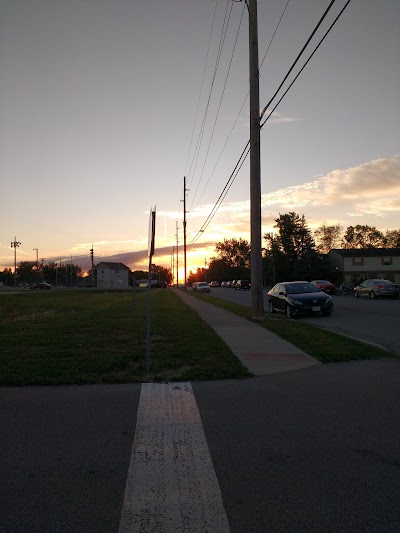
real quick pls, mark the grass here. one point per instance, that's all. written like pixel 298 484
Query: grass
pixel 324 345
pixel 76 337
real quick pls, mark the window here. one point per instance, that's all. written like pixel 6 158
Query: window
pixel 358 261
pixel 386 260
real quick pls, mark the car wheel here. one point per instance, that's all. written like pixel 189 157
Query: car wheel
pixel 288 311
pixel 356 295
pixel 372 295
pixel 271 308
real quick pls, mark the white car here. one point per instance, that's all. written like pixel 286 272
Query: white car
pixel 202 286
pixel 214 284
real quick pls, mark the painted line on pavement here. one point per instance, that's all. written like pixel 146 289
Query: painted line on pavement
pixel 171 484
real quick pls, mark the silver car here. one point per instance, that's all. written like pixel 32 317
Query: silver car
pixel 375 288
pixel 202 286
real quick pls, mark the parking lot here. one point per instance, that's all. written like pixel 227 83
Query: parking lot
pixel 374 321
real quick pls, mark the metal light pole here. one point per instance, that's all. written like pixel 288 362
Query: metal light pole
pixel 257 299
pixel 15 244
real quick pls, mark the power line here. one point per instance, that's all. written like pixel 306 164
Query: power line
pixel 241 158
pixel 240 110
pixel 298 57
pixel 201 133
pixel 217 114
pixel 305 64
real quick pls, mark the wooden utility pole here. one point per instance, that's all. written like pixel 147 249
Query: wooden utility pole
pixel 184 227
pixel 257 297
pixel 177 256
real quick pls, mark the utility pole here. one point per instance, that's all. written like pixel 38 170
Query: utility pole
pixel 42 259
pixel 177 256
pixel 257 297
pixel 205 269
pixel 173 264
pixel 184 226
pixel 15 244
pixel 92 273
pixel 37 264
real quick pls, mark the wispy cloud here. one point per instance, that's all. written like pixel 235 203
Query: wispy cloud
pixel 372 189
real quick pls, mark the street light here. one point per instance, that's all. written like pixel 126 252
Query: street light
pixel 15 245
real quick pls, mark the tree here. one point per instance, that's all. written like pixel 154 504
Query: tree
pixel 328 237
pixel 363 237
pixel 236 253
pixel 6 277
pixel 392 238
pixel 292 253
pixel 162 274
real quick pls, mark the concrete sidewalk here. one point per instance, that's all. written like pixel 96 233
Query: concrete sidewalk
pixel 260 350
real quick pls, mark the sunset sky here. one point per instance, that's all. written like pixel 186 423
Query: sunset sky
pixel 106 106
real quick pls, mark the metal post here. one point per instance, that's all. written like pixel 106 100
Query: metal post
pixel 257 300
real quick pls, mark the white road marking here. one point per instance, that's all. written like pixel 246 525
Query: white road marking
pixel 171 484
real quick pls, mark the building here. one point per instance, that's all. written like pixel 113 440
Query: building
pixel 356 264
pixel 112 276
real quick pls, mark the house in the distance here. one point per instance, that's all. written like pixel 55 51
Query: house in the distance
pixel 112 276
pixel 356 264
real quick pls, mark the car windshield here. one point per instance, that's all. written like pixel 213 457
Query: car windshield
pixel 324 282
pixel 202 284
pixel 299 288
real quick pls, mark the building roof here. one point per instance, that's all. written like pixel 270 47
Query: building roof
pixel 113 266
pixel 367 252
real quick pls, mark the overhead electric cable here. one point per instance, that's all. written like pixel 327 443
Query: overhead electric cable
pixel 241 158
pixel 240 110
pixel 200 137
pixel 201 87
pixel 298 57
pixel 217 113
pixel 305 64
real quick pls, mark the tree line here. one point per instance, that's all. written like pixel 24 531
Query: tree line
pixel 68 275
pixel 293 251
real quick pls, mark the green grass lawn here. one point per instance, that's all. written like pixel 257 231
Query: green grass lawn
pixel 324 345
pixel 73 337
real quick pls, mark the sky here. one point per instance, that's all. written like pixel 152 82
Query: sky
pixel 106 106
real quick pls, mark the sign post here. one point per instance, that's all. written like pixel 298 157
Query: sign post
pixel 152 230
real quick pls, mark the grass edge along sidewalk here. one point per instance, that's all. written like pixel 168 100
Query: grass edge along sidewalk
pixel 324 345
pixel 62 338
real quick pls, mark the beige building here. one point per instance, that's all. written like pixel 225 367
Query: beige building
pixel 357 264
pixel 112 276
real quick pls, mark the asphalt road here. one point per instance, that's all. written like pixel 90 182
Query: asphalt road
pixel 310 450
pixel 374 321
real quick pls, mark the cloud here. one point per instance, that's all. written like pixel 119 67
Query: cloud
pixel 371 188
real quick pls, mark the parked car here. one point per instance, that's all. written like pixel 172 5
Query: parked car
pixel 194 285
pixel 324 285
pixel 232 283
pixel 42 285
pixel 158 284
pixel 225 284
pixel 299 297
pixel 242 285
pixel 202 286
pixel 215 284
pixel 375 288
